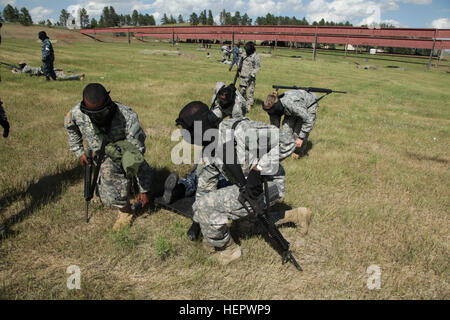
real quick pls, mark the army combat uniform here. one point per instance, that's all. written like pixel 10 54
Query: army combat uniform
pixel 239 111
pixel 214 207
pixel 299 113
pixel 247 78
pixel 33 71
pixel 114 188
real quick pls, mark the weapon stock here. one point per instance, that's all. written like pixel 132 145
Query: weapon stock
pixel 12 66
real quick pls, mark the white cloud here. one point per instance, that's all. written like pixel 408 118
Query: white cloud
pixel 5 2
pixel 442 23
pixel 40 13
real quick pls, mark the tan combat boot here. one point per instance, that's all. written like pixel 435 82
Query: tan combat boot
pixel 300 216
pixel 228 253
pixel 124 219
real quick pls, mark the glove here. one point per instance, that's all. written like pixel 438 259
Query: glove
pixel 254 184
pixel 5 125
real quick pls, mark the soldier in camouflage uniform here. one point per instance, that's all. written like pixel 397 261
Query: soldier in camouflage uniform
pixel 226 101
pixel 249 65
pixel 299 109
pixel 98 120
pixel 48 56
pixel 213 208
pixel 33 71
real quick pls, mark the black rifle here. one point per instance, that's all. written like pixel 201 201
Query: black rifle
pixel 309 89
pixel 91 184
pixel 10 65
pixel 260 211
pixel 238 70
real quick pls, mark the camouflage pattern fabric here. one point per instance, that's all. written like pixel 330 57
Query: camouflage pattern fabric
pixel 298 119
pixel 247 78
pixel 214 207
pixel 48 57
pixel 125 125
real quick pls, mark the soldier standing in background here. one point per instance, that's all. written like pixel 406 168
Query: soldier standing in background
pixel 4 121
pixel 48 56
pixel 249 64
pixel 113 129
pixel 299 109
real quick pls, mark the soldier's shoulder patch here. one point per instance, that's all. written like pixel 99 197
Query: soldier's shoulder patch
pixel 69 117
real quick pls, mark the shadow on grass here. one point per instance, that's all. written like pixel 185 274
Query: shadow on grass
pixel 46 190
pixel 427 158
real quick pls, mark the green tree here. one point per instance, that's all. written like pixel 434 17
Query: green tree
pixel 84 17
pixel 24 17
pixel 49 23
pixel 164 19
pixel 10 13
pixel 193 19
pixel 134 18
pixel 63 17
pixel 94 23
pixel 210 20
pixel 202 17
pixel 180 19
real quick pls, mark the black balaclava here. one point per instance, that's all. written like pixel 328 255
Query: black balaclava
pixel 42 35
pixel 249 48
pixel 102 115
pixel 227 102
pixel 196 111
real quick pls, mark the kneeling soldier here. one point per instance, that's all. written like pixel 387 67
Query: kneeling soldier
pixel 213 207
pixel 113 130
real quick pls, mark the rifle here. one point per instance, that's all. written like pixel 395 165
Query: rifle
pixel 12 66
pixel 309 89
pixel 238 70
pixel 261 212
pixel 91 184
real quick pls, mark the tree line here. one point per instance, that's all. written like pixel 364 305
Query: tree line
pixel 12 14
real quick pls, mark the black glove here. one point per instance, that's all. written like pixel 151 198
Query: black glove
pixel 5 125
pixel 254 184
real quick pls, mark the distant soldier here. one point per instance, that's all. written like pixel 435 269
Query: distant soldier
pixel 299 109
pixel 236 54
pixel 4 121
pixel 113 129
pixel 249 64
pixel 226 50
pixel 48 56
pixel 213 207
pixel 33 71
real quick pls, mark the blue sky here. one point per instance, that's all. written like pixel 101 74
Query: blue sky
pixel 401 13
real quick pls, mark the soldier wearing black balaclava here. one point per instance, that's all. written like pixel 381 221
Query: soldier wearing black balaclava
pixel 48 56
pixel 110 126
pixel 249 64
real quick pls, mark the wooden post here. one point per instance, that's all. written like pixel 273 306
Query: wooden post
pixel 431 55
pixel 173 39
pixel 315 47
pixel 129 38
pixel 346 45
pixel 232 38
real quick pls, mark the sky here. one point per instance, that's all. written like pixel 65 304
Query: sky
pixel 400 13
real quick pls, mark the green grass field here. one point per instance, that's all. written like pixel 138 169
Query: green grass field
pixel 377 179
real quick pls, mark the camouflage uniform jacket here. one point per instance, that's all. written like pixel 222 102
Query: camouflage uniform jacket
pixel 48 56
pixel 295 103
pixel 125 125
pixel 31 70
pixel 247 154
pixel 250 65
pixel 240 107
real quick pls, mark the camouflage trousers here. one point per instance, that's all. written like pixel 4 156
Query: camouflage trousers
pixel 247 89
pixel 114 188
pixel 215 208
pixel 294 126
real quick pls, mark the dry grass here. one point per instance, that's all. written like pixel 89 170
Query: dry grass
pixel 377 179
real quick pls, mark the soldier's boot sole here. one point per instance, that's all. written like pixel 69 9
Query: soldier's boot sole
pixel 169 186
pixel 194 231
pixel 124 220
pixel 300 216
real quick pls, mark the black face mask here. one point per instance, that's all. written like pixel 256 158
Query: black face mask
pixel 276 109
pixel 101 116
pixel 208 121
pixel 226 98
